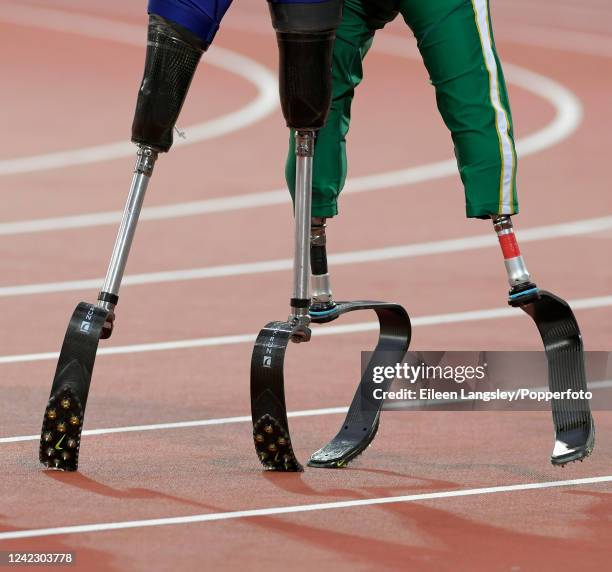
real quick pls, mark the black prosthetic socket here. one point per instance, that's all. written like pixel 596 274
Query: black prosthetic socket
pixel 173 54
pixel 306 18
pixel 305 35
pixel 305 81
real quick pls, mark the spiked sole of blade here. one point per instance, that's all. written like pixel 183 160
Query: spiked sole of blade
pixel 579 457
pixel 578 452
pixel 61 431
pixel 273 445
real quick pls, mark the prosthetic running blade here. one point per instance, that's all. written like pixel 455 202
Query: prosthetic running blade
pixel 172 56
pixel 269 412
pixel 64 415
pixel 573 422
pixel 305 37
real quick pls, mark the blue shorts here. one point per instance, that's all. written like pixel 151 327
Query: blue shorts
pixel 202 17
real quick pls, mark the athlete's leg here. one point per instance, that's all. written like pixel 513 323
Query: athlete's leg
pixel 305 34
pixel 353 39
pixel 179 33
pixel 455 39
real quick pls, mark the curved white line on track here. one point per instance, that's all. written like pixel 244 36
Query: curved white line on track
pixel 587 43
pixel 263 105
pixel 434 320
pixel 568 115
pixel 548 232
pixel 275 511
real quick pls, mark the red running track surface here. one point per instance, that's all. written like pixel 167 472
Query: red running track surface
pixel 67 90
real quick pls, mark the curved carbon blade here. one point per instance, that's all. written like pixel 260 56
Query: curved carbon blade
pixel 268 408
pixel 63 421
pixel 361 423
pixel 574 427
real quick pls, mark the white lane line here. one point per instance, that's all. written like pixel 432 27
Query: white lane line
pixel 568 115
pixel 434 320
pixel 275 511
pixel 184 424
pixel 576 228
pixel 263 105
pixel 604 384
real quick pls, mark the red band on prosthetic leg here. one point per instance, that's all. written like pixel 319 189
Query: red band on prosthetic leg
pixel 509 245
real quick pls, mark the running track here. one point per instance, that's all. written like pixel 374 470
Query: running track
pixel 168 476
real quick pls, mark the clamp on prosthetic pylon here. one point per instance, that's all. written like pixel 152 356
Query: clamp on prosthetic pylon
pixel 323 307
pixel 305 87
pixel 572 419
pixel 172 57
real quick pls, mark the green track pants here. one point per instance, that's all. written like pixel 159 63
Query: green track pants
pixel 455 39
